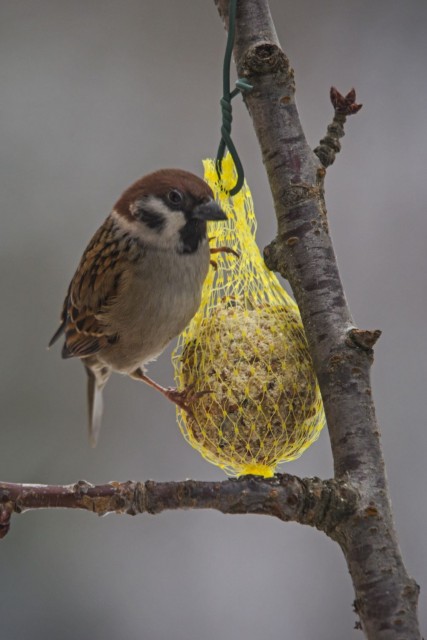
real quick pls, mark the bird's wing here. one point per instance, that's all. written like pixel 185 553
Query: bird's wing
pixel 99 279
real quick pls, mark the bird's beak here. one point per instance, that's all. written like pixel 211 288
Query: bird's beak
pixel 209 211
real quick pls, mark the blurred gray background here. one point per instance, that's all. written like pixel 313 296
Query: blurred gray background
pixel 93 95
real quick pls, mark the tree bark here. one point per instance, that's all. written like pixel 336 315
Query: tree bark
pixel 319 503
pixel 386 597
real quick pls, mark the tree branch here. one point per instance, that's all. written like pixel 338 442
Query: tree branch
pixel 386 598
pixel 324 504
pixel 343 106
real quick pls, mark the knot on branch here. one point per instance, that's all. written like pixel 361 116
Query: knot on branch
pixel 5 515
pixel 265 58
pixel 363 338
pixel 328 503
pixel 274 259
pixel 136 498
pixel 81 488
pixel 270 255
pixel 299 193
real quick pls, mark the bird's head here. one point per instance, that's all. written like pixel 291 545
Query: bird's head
pixel 168 209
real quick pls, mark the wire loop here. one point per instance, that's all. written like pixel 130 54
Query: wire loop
pixel 226 108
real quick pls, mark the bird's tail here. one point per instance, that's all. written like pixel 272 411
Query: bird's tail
pixel 96 381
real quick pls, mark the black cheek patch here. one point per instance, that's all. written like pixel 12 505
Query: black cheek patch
pixel 152 219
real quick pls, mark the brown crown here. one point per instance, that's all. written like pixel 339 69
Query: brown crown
pixel 159 183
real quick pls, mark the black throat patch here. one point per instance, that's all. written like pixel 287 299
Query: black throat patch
pixel 191 235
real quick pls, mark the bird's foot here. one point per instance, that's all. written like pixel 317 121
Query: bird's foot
pixel 213 250
pixel 182 399
pixel 224 250
pixel 185 398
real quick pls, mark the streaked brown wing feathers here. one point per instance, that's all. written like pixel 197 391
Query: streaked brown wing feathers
pixel 85 334
pixel 93 289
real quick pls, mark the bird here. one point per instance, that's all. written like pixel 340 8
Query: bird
pixel 139 283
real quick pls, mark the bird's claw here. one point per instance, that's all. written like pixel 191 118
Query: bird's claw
pixel 185 398
pixel 224 250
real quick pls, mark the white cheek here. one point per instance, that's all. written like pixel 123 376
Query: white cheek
pixel 168 236
pixel 174 223
pixel 175 220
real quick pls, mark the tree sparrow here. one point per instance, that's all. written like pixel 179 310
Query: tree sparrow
pixel 139 282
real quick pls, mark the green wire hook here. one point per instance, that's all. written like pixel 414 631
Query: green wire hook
pixel 226 108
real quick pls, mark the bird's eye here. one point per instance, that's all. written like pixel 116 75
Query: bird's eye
pixel 175 197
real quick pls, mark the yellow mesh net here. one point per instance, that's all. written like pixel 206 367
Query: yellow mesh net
pixel 247 346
